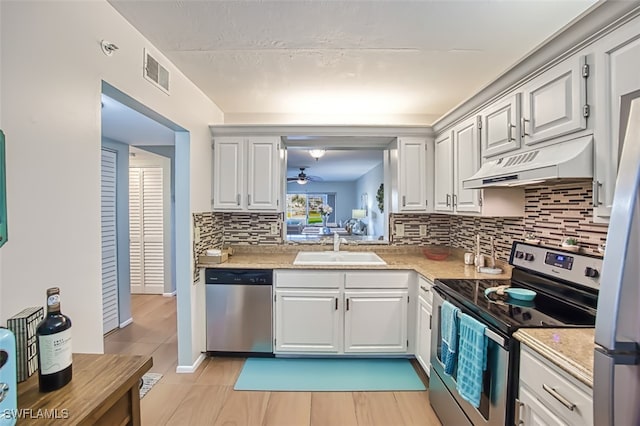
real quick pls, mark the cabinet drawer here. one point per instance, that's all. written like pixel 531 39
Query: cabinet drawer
pixel 309 279
pixel 424 290
pixel 377 279
pixel 544 380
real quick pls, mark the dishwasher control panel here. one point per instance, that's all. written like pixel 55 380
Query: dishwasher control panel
pixel 238 276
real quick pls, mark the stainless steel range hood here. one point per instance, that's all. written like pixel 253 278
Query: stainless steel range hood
pixel 567 160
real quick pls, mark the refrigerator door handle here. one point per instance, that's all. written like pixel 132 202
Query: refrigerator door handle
pixel 603 372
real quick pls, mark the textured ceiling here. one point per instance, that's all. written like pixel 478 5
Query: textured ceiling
pixel 378 62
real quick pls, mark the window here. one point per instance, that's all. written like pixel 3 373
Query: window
pixel 305 207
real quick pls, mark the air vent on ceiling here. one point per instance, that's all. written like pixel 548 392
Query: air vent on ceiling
pixel 518 159
pixel 156 73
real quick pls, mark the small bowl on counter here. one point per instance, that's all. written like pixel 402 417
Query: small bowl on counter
pixel 436 253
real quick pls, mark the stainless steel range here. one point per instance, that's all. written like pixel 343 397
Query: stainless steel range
pixel 566 286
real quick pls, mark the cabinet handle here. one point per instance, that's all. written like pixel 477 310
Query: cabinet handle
pixel 404 200
pixel 523 127
pixel 238 199
pixel 595 196
pixel 430 318
pixel 347 304
pixel 424 288
pixel 455 200
pixel 510 128
pixel 448 200
pixel 248 199
pixel 336 303
pixel 561 399
pixel 518 419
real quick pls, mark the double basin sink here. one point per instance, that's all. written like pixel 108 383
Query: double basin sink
pixel 352 258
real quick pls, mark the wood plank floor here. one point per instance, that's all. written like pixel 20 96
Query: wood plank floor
pixel 206 397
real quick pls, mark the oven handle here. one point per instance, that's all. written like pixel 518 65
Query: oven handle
pixel 488 332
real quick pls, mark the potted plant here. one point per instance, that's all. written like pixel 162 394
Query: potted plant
pixel 530 238
pixel 571 244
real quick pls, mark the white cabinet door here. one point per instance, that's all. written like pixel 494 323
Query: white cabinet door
pixel 554 101
pixel 617 69
pixel 412 181
pixel 228 166
pixel 534 413
pixel 263 173
pixel 375 321
pixel 466 155
pixel 443 173
pixel 501 126
pixel 423 342
pixel 308 321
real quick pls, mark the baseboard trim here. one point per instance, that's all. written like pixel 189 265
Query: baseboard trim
pixel 182 369
pixel 126 323
pixel 173 293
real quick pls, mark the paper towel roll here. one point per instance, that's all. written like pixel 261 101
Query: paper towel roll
pixel 214 252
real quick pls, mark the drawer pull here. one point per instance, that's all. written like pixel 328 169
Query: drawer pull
pixel 564 401
pixel 424 288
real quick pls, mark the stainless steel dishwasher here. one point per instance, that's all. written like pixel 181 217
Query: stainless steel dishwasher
pixel 239 305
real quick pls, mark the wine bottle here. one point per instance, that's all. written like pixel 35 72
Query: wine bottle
pixel 54 345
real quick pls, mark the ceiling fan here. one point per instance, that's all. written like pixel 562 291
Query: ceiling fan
pixel 303 178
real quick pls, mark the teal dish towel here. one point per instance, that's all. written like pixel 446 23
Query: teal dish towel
pixel 449 333
pixel 472 359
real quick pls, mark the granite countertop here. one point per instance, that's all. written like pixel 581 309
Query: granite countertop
pixel 571 349
pixel 452 267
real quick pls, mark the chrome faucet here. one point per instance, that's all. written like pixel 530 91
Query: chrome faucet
pixel 336 242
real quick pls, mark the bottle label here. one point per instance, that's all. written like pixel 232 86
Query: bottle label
pixel 55 352
pixel 54 299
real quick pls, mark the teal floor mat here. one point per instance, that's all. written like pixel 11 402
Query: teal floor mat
pixel 328 374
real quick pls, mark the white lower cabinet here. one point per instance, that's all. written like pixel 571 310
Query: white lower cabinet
pixel 308 320
pixel 349 317
pixel 375 321
pixel 423 326
pixel 548 395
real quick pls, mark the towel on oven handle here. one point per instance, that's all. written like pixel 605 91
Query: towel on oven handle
pixel 449 331
pixel 472 359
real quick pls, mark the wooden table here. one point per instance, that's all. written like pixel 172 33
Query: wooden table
pixel 104 391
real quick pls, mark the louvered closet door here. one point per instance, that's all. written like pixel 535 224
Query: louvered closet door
pixel 109 243
pixel 146 230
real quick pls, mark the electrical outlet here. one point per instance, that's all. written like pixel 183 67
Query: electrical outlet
pixel 423 230
pixel 274 229
pixel 196 234
pixel 399 230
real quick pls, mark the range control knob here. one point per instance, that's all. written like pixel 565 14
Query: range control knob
pixel 526 316
pixel 519 255
pixel 591 272
pixel 528 257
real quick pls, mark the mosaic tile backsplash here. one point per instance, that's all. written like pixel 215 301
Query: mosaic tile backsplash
pixel 551 213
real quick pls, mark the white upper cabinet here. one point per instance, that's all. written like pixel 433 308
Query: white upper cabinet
pixel 443 173
pixel 466 162
pixel 255 158
pixel 500 123
pixel 412 174
pixel 554 101
pixel 617 73
pixel 457 157
pixel 263 173
pixel 228 168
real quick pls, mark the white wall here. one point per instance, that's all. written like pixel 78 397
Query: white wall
pixel 52 68
pixel 369 184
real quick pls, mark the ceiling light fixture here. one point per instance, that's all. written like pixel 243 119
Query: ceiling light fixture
pixel 317 153
pixel 302 180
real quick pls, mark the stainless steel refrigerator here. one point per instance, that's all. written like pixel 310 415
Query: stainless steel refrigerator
pixel 616 387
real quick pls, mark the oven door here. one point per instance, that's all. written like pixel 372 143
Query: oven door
pixel 445 399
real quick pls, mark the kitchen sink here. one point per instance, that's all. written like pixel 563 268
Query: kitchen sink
pixel 338 258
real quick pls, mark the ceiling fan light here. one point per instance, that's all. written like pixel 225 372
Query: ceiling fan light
pixel 316 153
pixel 302 181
